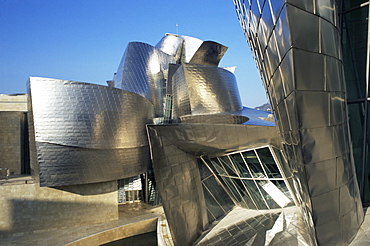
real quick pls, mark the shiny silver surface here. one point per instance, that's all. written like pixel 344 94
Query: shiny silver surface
pixel 192 50
pixel 174 151
pixel 297 50
pixel 143 70
pixel 209 53
pixel 256 227
pixel 200 89
pixel 190 47
pixel 87 133
pixel 171 44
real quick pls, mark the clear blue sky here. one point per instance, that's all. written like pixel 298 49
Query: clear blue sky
pixel 84 40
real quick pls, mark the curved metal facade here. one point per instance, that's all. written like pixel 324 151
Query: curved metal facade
pixel 200 89
pixel 143 70
pixel 296 47
pixel 204 166
pixel 87 133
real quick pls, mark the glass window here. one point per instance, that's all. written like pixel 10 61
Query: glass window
pixel 238 161
pixel 285 166
pixel 228 166
pixel 216 164
pixel 210 165
pixel 249 179
pixel 220 196
pixel 268 163
pixel 253 164
pixel 255 194
pixel 203 169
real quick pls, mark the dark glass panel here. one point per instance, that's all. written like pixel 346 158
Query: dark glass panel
pixel 285 166
pixel 354 43
pixel 256 195
pixel 212 205
pixel 218 167
pixel 356 115
pixel 224 201
pixel 210 165
pixel 239 163
pixel 210 216
pixel 268 163
pixel 228 166
pixel 231 189
pixel 248 199
pixel 253 164
pixel 203 169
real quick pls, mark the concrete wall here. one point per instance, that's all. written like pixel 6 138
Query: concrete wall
pixel 28 207
pixel 11 153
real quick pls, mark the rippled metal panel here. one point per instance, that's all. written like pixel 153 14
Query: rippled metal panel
pixel 209 53
pixel 143 70
pixel 201 89
pixel 296 47
pixel 86 133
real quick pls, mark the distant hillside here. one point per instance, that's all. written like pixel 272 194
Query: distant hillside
pixel 264 107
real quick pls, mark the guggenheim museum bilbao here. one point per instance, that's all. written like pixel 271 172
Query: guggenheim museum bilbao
pixel 225 174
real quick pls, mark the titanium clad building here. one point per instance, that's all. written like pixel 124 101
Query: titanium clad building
pixel 308 53
pixel 225 174
pixel 213 159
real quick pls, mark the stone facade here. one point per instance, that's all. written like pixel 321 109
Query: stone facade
pixel 12 152
pixel 14 102
pixel 29 208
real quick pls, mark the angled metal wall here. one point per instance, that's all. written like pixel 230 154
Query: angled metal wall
pixel 85 133
pixel 174 150
pixel 297 50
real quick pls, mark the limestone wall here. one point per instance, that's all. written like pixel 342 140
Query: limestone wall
pixel 11 153
pixel 15 102
pixel 28 207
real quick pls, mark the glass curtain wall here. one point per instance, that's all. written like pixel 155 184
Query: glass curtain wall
pixel 354 25
pixel 253 179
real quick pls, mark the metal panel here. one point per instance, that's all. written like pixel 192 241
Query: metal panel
pixel 171 44
pixel 87 133
pixel 303 22
pixel 209 53
pixel 307 96
pixel 143 70
pixel 178 181
pixel 209 90
pixel 190 47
